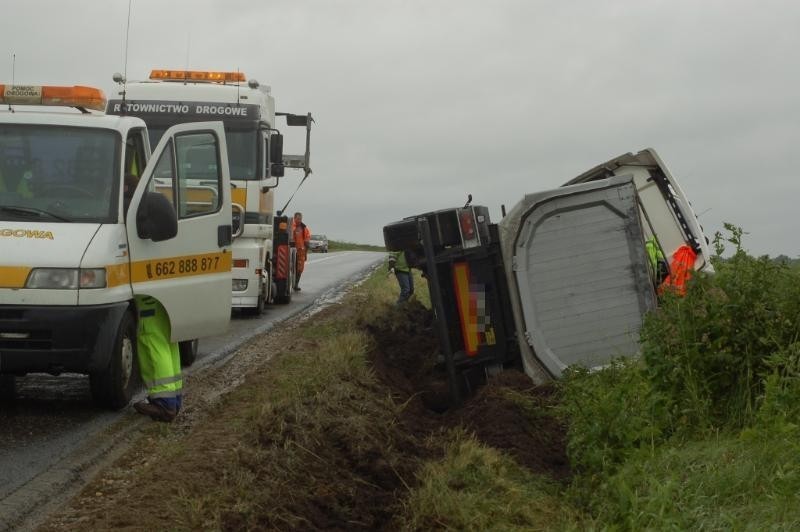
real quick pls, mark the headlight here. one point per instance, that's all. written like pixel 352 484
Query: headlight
pixel 239 285
pixel 66 278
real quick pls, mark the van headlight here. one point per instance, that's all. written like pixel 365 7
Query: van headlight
pixel 66 278
pixel 239 285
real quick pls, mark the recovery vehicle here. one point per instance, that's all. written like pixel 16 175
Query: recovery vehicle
pixel 88 220
pixel 565 277
pixel 263 259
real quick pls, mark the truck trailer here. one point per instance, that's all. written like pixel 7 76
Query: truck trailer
pixel 565 278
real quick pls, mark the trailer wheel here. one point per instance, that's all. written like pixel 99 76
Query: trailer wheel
pixel 188 351
pixel 402 235
pixel 114 386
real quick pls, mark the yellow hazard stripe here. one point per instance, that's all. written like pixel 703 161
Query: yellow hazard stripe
pixel 184 266
pixel 13 276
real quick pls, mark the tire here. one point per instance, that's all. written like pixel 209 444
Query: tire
pixel 188 351
pixel 402 235
pixel 259 308
pixel 115 386
pixel 8 387
pixel 283 292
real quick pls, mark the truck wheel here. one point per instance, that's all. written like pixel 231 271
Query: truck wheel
pixel 8 387
pixel 188 351
pixel 402 235
pixel 259 308
pixel 114 386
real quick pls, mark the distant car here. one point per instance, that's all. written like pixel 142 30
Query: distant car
pixel 318 243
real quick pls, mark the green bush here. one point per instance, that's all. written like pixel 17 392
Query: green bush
pixel 611 413
pixel 709 351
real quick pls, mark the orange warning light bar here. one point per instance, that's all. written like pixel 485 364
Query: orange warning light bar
pixel 77 96
pixel 197 75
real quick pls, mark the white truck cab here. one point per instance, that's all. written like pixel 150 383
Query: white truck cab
pixel 88 220
pixel 263 269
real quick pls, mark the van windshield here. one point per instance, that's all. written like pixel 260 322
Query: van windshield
pixel 243 147
pixel 58 173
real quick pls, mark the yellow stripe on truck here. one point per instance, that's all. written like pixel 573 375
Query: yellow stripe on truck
pixel 13 276
pixel 185 266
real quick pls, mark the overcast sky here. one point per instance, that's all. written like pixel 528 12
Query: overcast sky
pixel 418 103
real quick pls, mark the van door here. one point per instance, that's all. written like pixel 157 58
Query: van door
pixel 188 270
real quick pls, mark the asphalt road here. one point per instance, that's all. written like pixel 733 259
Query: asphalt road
pixel 52 433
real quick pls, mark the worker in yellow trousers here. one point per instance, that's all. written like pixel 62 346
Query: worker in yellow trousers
pixel 159 362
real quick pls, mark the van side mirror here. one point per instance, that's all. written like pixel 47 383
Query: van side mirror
pixel 277 170
pixel 156 218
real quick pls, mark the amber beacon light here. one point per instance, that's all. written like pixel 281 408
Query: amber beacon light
pixel 197 75
pixel 77 96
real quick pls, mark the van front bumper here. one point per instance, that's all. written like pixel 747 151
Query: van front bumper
pixel 56 339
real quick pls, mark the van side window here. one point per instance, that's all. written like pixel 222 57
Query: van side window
pixel 163 180
pixel 199 176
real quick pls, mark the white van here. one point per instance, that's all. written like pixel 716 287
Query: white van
pixel 87 223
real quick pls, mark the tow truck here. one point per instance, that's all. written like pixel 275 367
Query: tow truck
pixel 563 279
pixel 89 219
pixel 263 259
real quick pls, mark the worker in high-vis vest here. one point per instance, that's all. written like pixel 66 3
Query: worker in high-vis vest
pixel 301 235
pixel 159 362
pixel 22 187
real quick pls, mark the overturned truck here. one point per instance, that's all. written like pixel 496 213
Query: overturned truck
pixel 566 276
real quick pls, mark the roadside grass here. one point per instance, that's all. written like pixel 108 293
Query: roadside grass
pixel 341 245
pixel 475 487
pixel 745 481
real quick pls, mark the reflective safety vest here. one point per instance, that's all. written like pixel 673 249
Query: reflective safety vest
pixel 397 260
pixel 23 189
pixel 680 270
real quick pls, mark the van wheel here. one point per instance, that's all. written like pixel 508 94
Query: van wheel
pixel 188 351
pixel 114 386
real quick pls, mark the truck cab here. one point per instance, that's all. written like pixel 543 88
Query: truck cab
pixel 89 219
pixel 263 265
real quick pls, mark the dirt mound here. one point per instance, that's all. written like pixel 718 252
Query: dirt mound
pixel 509 413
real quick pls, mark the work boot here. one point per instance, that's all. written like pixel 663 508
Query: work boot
pixel 157 412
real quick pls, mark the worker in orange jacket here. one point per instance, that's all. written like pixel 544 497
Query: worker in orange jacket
pixel 301 235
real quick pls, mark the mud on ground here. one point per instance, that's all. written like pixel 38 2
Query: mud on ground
pixel 509 413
